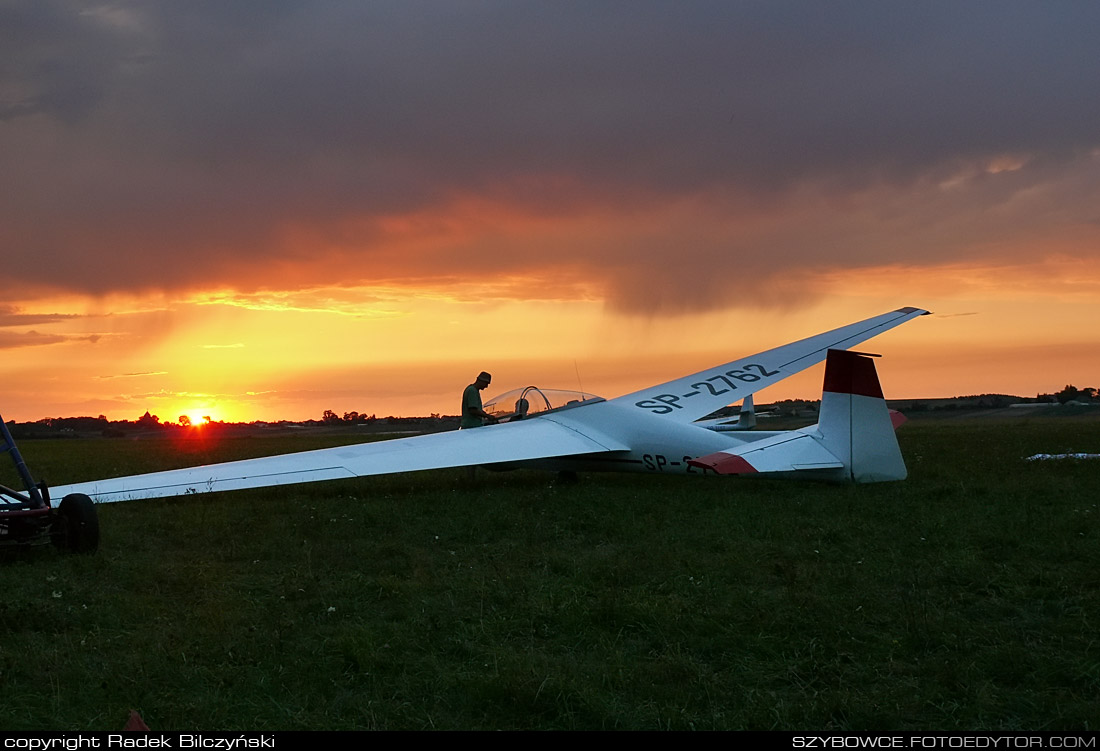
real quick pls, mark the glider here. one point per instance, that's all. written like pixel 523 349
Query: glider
pixel 652 430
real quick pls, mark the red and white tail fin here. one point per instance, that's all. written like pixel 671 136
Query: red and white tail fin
pixel 853 440
pixel 855 424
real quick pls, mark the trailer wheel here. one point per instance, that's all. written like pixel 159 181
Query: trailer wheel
pixel 76 525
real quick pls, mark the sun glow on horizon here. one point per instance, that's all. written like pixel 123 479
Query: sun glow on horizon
pixel 1011 328
pixel 201 417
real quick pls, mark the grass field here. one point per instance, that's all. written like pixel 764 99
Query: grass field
pixel 967 597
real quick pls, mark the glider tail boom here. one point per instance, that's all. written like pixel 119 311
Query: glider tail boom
pixel 853 439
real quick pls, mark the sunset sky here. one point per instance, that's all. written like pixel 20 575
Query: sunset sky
pixel 264 209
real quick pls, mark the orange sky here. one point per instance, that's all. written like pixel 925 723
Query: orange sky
pixel 349 206
pixel 389 351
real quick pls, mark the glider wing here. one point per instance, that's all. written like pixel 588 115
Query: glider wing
pixel 517 441
pixel 692 397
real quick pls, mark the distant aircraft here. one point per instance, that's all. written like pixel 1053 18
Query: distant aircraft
pixel 653 430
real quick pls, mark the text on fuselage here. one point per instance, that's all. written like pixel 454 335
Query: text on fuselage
pixel 716 385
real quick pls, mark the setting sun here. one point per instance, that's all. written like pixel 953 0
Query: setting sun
pixel 198 418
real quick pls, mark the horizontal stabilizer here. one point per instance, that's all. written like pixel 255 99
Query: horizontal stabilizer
pixel 787 452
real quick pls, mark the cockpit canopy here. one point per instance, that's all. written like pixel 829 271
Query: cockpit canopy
pixel 531 400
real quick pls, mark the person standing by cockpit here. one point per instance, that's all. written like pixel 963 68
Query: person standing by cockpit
pixel 473 416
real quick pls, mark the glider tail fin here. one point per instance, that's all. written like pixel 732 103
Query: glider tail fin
pixel 746 418
pixel 855 424
pixel 853 440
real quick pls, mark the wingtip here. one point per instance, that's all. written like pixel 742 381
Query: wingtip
pixel 909 310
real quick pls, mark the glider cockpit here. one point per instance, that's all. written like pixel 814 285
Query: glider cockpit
pixel 531 400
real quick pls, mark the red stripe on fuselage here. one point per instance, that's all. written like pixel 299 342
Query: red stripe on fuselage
pixel 724 464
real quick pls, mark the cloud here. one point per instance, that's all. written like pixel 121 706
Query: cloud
pixel 11 316
pixel 131 375
pixel 11 340
pixel 30 339
pixel 668 151
pixel 329 302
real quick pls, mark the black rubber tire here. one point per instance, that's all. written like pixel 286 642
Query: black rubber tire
pixel 76 526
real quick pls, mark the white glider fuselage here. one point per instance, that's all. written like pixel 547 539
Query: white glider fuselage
pixel 656 445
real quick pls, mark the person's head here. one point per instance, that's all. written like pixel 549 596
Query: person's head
pixel 483 380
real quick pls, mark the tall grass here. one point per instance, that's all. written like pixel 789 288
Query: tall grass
pixel 963 598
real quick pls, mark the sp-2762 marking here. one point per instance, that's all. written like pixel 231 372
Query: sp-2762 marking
pixel 715 385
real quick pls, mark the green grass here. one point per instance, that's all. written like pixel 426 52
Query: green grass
pixel 964 598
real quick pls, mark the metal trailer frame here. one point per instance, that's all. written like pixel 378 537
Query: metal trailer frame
pixel 28 518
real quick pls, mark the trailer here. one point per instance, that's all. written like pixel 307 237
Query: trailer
pixel 28 518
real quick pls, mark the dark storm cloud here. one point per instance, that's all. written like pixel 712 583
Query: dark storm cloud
pixel 160 143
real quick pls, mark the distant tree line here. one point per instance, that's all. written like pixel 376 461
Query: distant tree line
pixel 361 418
pixel 150 424
pixel 1073 394
pixel 52 426
pixel 352 418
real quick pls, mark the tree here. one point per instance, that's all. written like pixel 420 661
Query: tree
pixel 185 421
pixel 1068 394
pixel 330 416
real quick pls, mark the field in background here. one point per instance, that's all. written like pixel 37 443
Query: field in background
pixel 964 598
